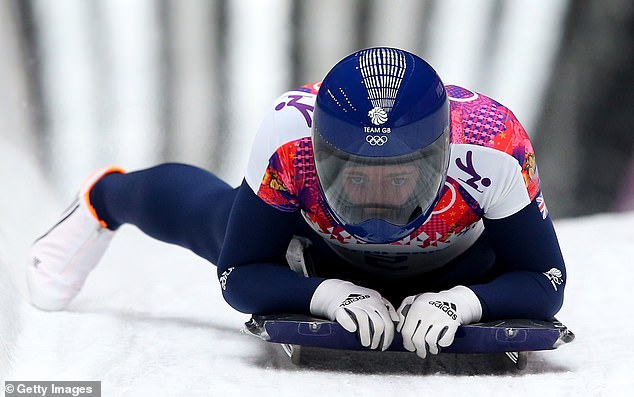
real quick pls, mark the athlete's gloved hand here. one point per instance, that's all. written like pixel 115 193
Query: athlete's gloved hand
pixel 357 309
pixel 429 321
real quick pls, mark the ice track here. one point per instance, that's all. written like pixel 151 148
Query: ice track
pixel 151 322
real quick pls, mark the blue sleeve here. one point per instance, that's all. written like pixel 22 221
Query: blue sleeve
pixel 532 271
pixel 252 266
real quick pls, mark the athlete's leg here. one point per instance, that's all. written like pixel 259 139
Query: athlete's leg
pixel 175 203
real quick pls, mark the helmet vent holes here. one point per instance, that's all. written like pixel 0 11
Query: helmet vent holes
pixel 383 71
pixel 334 98
pixel 343 93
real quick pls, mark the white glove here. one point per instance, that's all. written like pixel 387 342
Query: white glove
pixel 357 309
pixel 429 321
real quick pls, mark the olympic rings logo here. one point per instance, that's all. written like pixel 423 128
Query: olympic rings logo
pixel 376 140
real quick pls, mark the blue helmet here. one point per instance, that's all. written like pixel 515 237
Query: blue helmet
pixel 381 142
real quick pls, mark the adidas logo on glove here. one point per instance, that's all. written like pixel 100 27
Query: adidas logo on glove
pixel 353 298
pixel 447 307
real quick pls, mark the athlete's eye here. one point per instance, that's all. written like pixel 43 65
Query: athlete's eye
pixel 398 181
pixel 356 179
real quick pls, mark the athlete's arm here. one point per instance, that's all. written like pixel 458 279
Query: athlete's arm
pixel 252 266
pixel 533 279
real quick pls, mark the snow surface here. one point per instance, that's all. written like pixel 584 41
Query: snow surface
pixel 151 322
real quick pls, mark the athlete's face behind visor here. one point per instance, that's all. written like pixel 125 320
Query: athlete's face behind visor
pixel 393 189
pixel 380 192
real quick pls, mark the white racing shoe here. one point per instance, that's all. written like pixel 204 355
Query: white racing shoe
pixel 62 258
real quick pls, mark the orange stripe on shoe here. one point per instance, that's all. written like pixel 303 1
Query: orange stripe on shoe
pixel 91 182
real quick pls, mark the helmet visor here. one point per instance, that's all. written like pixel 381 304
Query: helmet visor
pixel 394 189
